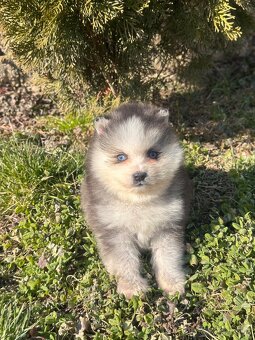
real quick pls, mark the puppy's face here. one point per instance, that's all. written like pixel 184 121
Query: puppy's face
pixel 135 157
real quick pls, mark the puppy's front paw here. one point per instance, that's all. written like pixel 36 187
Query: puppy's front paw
pixel 131 288
pixel 171 285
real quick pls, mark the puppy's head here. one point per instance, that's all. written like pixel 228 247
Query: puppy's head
pixel 135 152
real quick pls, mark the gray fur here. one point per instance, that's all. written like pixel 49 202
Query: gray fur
pixel 125 218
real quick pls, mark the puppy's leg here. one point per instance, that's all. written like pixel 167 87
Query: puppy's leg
pixel 121 258
pixel 167 260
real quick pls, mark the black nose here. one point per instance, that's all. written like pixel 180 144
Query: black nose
pixel 139 176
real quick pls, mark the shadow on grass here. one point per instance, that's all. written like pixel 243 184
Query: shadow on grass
pixel 218 193
pixel 222 107
pixel 212 189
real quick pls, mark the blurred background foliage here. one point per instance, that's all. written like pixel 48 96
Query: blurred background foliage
pixel 79 48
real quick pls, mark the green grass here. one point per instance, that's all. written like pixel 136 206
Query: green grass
pixel 15 321
pixel 81 122
pixel 52 282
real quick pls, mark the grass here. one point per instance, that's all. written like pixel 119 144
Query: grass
pixel 15 321
pixel 52 282
pixel 74 123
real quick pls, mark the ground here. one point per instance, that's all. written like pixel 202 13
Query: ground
pixel 52 282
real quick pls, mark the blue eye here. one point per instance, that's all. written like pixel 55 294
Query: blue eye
pixel 121 157
pixel 153 154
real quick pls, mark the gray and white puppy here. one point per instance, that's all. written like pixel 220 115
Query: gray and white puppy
pixel 136 196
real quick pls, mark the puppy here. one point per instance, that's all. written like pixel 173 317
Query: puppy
pixel 136 196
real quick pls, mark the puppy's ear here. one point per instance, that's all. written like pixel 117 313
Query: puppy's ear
pixel 101 124
pixel 163 113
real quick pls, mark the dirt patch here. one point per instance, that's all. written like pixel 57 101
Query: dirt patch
pixel 20 101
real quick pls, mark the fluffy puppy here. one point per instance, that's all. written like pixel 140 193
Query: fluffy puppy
pixel 136 196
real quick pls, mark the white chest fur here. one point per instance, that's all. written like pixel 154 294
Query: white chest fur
pixel 141 220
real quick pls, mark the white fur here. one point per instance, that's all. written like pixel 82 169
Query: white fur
pixel 141 220
pixel 167 261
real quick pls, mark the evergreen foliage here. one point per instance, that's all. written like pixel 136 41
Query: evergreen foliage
pixel 83 47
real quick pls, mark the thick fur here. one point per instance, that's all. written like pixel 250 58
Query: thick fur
pixel 126 218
